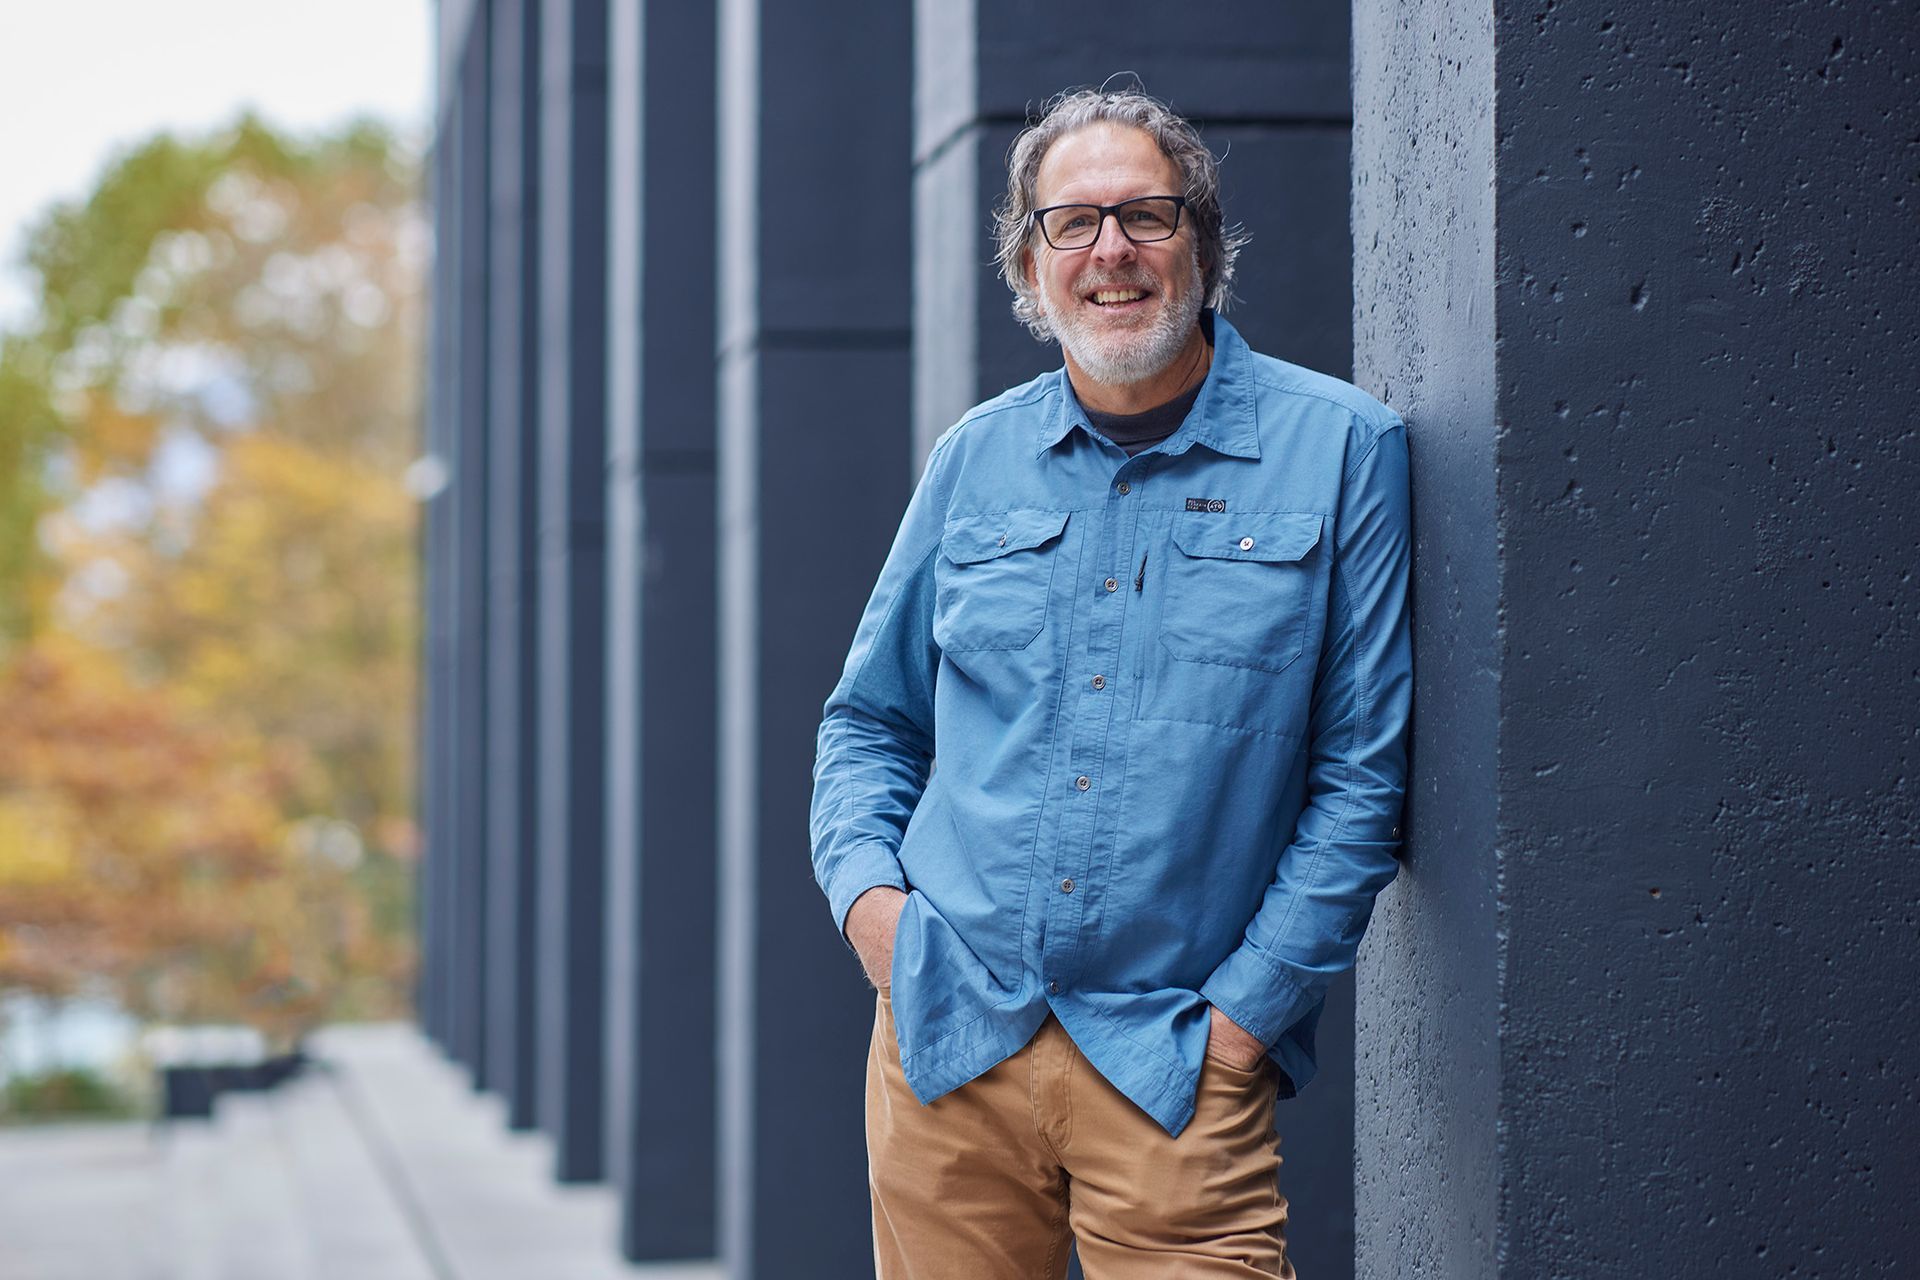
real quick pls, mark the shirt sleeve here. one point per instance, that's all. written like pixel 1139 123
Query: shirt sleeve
pixel 1343 849
pixel 875 746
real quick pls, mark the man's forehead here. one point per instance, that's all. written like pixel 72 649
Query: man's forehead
pixel 1102 163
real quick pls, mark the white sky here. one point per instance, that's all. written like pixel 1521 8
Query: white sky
pixel 81 78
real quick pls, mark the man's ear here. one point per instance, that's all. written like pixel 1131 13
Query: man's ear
pixel 1030 269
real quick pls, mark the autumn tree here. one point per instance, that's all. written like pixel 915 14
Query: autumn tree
pixel 145 847
pixel 207 559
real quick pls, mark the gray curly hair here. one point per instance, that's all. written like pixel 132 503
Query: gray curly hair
pixel 1217 243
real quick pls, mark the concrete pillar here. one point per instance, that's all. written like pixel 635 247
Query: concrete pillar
pixel 1268 87
pixel 467 466
pixel 436 863
pixel 448 941
pixel 1633 277
pixel 814 472
pixel 661 873
pixel 512 554
pixel 571 641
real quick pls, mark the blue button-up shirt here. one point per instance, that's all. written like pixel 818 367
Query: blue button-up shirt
pixel 1168 697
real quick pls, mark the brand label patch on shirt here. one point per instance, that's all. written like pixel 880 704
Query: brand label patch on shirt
pixel 1215 505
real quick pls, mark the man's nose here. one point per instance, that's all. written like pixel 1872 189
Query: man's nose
pixel 1111 245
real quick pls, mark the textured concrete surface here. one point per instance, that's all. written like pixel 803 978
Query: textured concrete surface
pixel 381 1165
pixel 1707 464
pixel 1426 1034
pixel 481 1201
pixel 59 1183
pixel 1636 276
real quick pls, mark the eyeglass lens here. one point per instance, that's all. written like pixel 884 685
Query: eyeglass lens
pixel 1075 226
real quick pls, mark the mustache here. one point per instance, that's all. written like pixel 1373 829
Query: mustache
pixel 1135 281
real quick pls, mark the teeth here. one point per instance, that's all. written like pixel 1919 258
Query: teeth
pixel 1105 296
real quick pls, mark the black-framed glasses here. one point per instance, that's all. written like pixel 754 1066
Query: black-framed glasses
pixel 1141 220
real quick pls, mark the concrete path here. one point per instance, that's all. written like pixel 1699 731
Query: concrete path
pixel 379 1164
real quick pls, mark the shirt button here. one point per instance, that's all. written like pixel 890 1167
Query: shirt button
pixel 1113 584
pixel 1246 544
pixel 1124 488
pixel 1054 987
pixel 1083 782
pixel 1100 682
pixel 1066 886
pixel 1396 832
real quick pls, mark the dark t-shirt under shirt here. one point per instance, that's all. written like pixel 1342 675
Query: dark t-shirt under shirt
pixel 1136 431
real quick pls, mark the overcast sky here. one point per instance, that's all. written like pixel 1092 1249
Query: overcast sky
pixel 81 78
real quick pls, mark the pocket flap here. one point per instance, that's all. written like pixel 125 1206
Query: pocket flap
pixel 1271 536
pixel 972 539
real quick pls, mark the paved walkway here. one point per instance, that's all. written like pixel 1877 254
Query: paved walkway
pixel 381 1164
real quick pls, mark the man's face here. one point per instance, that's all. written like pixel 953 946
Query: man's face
pixel 1151 292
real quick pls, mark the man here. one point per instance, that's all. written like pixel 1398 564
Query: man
pixel 1149 614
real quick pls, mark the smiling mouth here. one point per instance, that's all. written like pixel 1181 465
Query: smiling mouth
pixel 1115 297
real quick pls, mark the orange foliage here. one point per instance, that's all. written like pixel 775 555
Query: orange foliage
pixel 146 848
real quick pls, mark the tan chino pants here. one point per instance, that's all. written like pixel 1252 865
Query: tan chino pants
pixel 987 1182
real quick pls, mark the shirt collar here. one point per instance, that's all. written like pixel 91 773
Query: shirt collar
pixel 1223 418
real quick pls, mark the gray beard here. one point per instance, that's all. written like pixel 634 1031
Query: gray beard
pixel 1118 359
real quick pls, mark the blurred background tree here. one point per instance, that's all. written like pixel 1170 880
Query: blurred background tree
pixel 208 596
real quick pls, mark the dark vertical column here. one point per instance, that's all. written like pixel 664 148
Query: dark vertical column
pixel 1268 87
pixel 435 867
pixel 661 874
pixel 512 463
pixel 625 594
pixel 572 635
pixel 447 938
pixel 814 176
pixel 467 560
pixel 1640 303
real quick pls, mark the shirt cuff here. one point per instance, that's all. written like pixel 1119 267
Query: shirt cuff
pixel 863 867
pixel 1256 995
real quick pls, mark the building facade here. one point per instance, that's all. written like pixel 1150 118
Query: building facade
pixel 1629 278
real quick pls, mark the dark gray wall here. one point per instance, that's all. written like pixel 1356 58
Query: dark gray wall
pixel 814 446
pixel 1633 276
pixel 510 797
pixel 661 873
pixel 435 659
pixel 467 721
pixel 570 736
pixel 453 901
pixel 1268 87
pixel 1708 464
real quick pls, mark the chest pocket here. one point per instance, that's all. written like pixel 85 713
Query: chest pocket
pixel 1240 588
pixel 993 578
